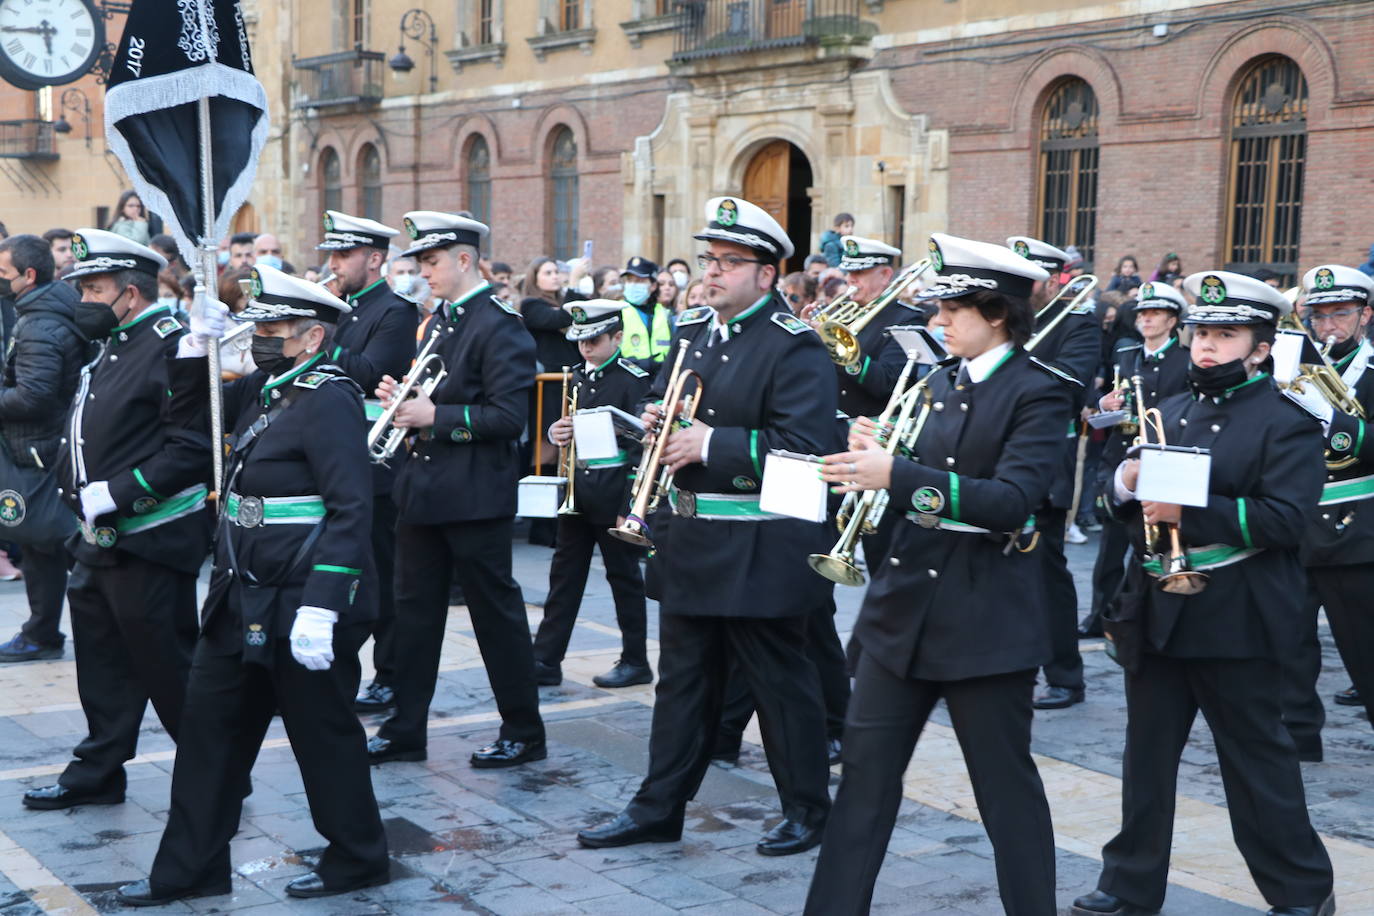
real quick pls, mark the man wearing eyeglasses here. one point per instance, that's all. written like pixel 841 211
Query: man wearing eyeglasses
pixel 732 581
pixel 1338 549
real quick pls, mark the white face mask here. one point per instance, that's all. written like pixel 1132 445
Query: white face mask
pixel 585 286
pixel 402 283
pixel 167 301
pixel 680 278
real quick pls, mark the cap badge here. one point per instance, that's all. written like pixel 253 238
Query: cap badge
pixel 727 214
pixel 411 229
pixel 328 222
pixel 1213 290
pixel 1325 278
pixel 579 314
pixel 1147 291
pixel 79 248
pixel 937 259
pixel 851 248
pixel 255 284
pixel 1021 248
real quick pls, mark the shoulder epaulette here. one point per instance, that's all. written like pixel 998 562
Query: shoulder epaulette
pixel 1087 308
pixel 631 367
pixel 1307 412
pixel 912 306
pixel 696 315
pixel 166 327
pixel 1057 373
pixel 505 306
pixel 790 323
pixel 1129 345
pixel 313 379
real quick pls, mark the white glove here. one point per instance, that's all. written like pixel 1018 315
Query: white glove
pixel 1312 402
pixel 96 501
pixel 209 317
pixel 312 637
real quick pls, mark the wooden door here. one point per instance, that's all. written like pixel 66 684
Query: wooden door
pixel 784 18
pixel 767 177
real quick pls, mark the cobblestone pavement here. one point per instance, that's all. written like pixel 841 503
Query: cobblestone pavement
pixel 503 842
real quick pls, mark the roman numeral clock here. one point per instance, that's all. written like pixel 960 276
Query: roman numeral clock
pixel 48 42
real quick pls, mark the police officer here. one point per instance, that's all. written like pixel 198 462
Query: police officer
pixel 292 596
pixel 1075 346
pixel 137 480
pixel 1162 365
pixel 733 581
pixel 1338 549
pixel 375 339
pixel 600 489
pixel 937 622
pixel 455 498
pixel 648 322
pixel 1218 650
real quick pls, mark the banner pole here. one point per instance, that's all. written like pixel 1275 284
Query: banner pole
pixel 209 275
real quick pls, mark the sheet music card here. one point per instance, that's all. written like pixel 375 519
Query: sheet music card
pixel 594 434
pixel 1177 476
pixel 792 487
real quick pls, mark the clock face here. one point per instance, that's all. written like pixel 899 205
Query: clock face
pixel 48 42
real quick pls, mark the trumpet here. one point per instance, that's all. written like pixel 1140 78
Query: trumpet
pixel 1327 381
pixel 860 514
pixel 842 321
pixel 567 455
pixel 653 480
pixel 1178 576
pixel 384 440
pixel 1085 283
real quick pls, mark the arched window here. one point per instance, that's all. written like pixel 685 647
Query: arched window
pixel 370 171
pixel 478 176
pixel 1068 167
pixel 1268 156
pixel 563 187
pixel 332 179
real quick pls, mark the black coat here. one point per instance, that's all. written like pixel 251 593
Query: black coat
pixel 1341 532
pixel 1265 479
pixel 40 373
pixel 466 467
pixel 151 446
pixel 761 393
pixel 949 605
pixel 1075 346
pixel 548 324
pixel 603 493
pixel 1161 376
pixel 865 390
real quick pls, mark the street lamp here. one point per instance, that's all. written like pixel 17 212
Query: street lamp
pixel 413 26
pixel 73 100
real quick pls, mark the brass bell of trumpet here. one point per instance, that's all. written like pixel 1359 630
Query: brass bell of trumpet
pixel 1177 574
pixel 841 322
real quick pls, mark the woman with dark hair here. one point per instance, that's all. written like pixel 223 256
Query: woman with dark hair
pixel 1126 277
pixel 131 218
pixel 940 620
pixel 1170 269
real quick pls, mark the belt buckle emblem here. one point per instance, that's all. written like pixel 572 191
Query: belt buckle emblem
pixel 250 511
pixel 928 521
pixel 686 504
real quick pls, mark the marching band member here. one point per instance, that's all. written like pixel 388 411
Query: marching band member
pixel 1219 650
pixel 733 581
pixel 292 596
pixel 601 491
pixel 455 496
pixel 136 479
pixel 376 339
pixel 936 622
pixel 1338 550
pixel 1074 345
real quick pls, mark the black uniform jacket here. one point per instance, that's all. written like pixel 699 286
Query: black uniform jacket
pixel 154 451
pixel 948 605
pixel 763 391
pixel 1342 530
pixel 314 444
pixel 602 492
pixel 864 391
pixel 466 467
pixel 1075 346
pixel 1265 479
pixel 1162 375
pixel 377 338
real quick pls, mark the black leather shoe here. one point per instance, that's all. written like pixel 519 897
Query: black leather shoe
pixel 382 750
pixel 1349 697
pixel 149 893
pixel 1057 697
pixel 52 798
pixel 623 831
pixel 507 753
pixel 625 674
pixel 547 675
pixel 312 885
pixel 789 838
pixel 1326 908
pixel 1101 903
pixel 374 698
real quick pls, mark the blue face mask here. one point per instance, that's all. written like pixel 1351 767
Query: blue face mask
pixel 270 260
pixel 636 293
pixel 938 333
pixel 222 257
pixel 402 283
pixel 167 301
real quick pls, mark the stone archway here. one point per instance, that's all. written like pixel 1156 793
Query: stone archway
pixel 778 178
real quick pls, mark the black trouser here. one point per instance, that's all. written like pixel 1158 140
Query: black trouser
pixel 1259 769
pixel 229 706
pixel 992 720
pixel 134 625
pixel 1345 593
pixel 693 663
pixel 384 550
pixel 478 555
pixel 568 572
pixel 1303 712
pixel 45 582
pixel 1061 601
pixel 1109 570
pixel 824 650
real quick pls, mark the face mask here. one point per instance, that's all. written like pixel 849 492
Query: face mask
pixel 167 302
pixel 636 293
pixel 585 286
pixel 1340 350
pixel 270 260
pixel 680 278
pixel 6 290
pixel 222 257
pixel 401 283
pixel 268 356
pixel 1214 381
pixel 610 291
pixel 96 319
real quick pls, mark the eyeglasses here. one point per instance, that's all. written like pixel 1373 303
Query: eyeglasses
pixel 1319 317
pixel 725 263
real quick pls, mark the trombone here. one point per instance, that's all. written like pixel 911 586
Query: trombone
pixel 652 479
pixel 1086 284
pixel 1177 576
pixel 841 321
pixel 383 439
pixel 1327 381
pixel 567 455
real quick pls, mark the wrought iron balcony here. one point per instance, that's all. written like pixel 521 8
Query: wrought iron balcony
pixel 351 77
pixel 27 139
pixel 718 27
